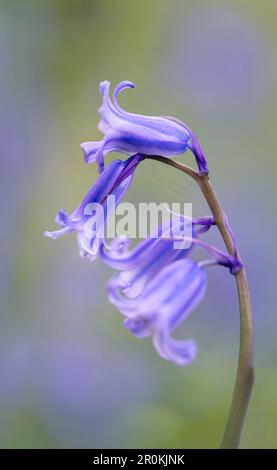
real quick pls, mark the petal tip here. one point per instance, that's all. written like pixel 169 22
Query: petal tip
pixel 61 217
pixel 48 234
pixel 104 87
pixel 90 150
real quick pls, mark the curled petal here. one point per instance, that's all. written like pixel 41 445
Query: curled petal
pixel 180 352
pixel 108 112
pixel 91 150
pixel 104 88
pixel 61 218
pixel 131 133
pixel 94 152
pixel 121 86
pixel 57 233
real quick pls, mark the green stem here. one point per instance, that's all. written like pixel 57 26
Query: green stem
pixel 245 371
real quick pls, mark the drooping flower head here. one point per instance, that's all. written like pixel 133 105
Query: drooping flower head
pixel 130 133
pixel 86 220
pixel 158 286
pixel 166 301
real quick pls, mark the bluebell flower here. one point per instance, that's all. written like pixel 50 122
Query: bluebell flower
pixel 150 255
pixel 115 180
pixel 159 286
pixel 130 133
pixel 138 266
pixel 161 306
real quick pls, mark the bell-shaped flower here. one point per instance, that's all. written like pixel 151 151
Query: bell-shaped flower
pixel 140 264
pixel 159 286
pixel 90 218
pixel 130 133
pixel 165 302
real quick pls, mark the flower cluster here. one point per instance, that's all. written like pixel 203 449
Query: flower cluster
pixel 156 285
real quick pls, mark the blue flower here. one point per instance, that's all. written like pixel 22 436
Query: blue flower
pixel 130 133
pixel 115 180
pixel 167 299
pixel 159 286
pixel 153 253
pixel 141 264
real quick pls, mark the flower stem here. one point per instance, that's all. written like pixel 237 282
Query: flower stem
pixel 245 371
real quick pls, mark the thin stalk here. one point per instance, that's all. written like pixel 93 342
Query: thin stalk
pixel 245 371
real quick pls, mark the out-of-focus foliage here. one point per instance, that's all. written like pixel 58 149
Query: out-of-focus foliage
pixel 70 375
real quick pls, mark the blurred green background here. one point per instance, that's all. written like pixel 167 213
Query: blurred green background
pixel 70 374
